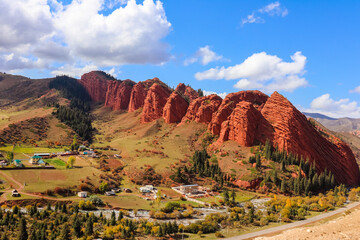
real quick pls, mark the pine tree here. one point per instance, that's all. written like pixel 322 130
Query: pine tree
pixel 121 215
pixel 113 220
pixel 23 235
pixel 89 230
pixel 226 196
pixel 283 186
pixel 233 196
pixel 77 227
pixel 258 162
pixel 283 166
pixel 65 232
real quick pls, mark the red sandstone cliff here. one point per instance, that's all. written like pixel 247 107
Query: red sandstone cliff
pixel 289 129
pixel 118 94
pixel 96 83
pixel 202 109
pixel 187 91
pixel 241 125
pixel 154 103
pixel 227 106
pixel 139 92
pixel 175 108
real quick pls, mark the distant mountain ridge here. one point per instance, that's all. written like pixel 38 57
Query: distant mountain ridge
pixel 336 124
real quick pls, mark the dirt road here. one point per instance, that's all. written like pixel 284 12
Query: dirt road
pixel 300 233
pixel 20 187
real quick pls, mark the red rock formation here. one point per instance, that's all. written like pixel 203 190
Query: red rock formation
pixel 175 108
pixel 96 83
pixel 290 130
pixel 257 98
pixel 253 184
pixel 118 94
pixel 202 109
pixel 154 103
pixel 242 125
pixel 139 92
pixel 187 91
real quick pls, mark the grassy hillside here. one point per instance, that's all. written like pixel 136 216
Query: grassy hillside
pixel 18 88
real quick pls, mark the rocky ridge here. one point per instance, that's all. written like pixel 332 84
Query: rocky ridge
pixel 246 117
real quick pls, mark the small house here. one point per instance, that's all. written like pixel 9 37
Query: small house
pixel 116 190
pixel 15 193
pixel 117 155
pixel 88 152
pixel 110 193
pixel 35 159
pixel 43 155
pixel 41 162
pixel 18 163
pixel 82 148
pixel 82 194
pixel 3 163
pixel 189 189
pixel 147 189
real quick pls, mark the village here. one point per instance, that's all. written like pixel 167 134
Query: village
pixel 147 192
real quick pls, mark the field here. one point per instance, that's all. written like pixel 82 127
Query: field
pixel 39 180
pixel 57 163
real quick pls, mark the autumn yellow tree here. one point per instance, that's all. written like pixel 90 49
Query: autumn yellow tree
pixel 70 162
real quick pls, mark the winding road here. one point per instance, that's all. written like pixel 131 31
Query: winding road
pixel 295 224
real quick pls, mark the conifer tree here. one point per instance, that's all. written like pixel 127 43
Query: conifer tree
pixel 23 235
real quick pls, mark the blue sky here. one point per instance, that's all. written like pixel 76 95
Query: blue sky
pixel 307 50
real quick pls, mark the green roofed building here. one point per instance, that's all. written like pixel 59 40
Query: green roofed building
pixel 18 163
pixel 35 159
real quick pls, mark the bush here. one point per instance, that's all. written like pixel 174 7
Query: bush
pixel 49 192
pixel 95 200
pixel 219 235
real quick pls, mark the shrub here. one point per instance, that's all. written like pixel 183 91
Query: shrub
pixel 96 200
pixel 219 235
pixel 49 192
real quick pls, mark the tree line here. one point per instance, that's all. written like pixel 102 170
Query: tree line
pixel 308 180
pixel 76 115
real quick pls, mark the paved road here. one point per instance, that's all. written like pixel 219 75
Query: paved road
pixel 295 224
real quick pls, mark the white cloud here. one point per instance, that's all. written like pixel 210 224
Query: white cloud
pixel 13 62
pixel 23 22
pixel 48 31
pixel 262 71
pixel 207 93
pixel 204 55
pixel 252 19
pixel 74 71
pixel 272 9
pixel 129 35
pixel 324 104
pixel 355 90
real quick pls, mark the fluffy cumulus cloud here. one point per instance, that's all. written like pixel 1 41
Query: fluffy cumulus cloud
pixel 24 22
pixel 48 31
pixel 262 71
pixel 355 90
pixel 204 55
pixel 272 9
pixel 334 108
pixel 207 93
